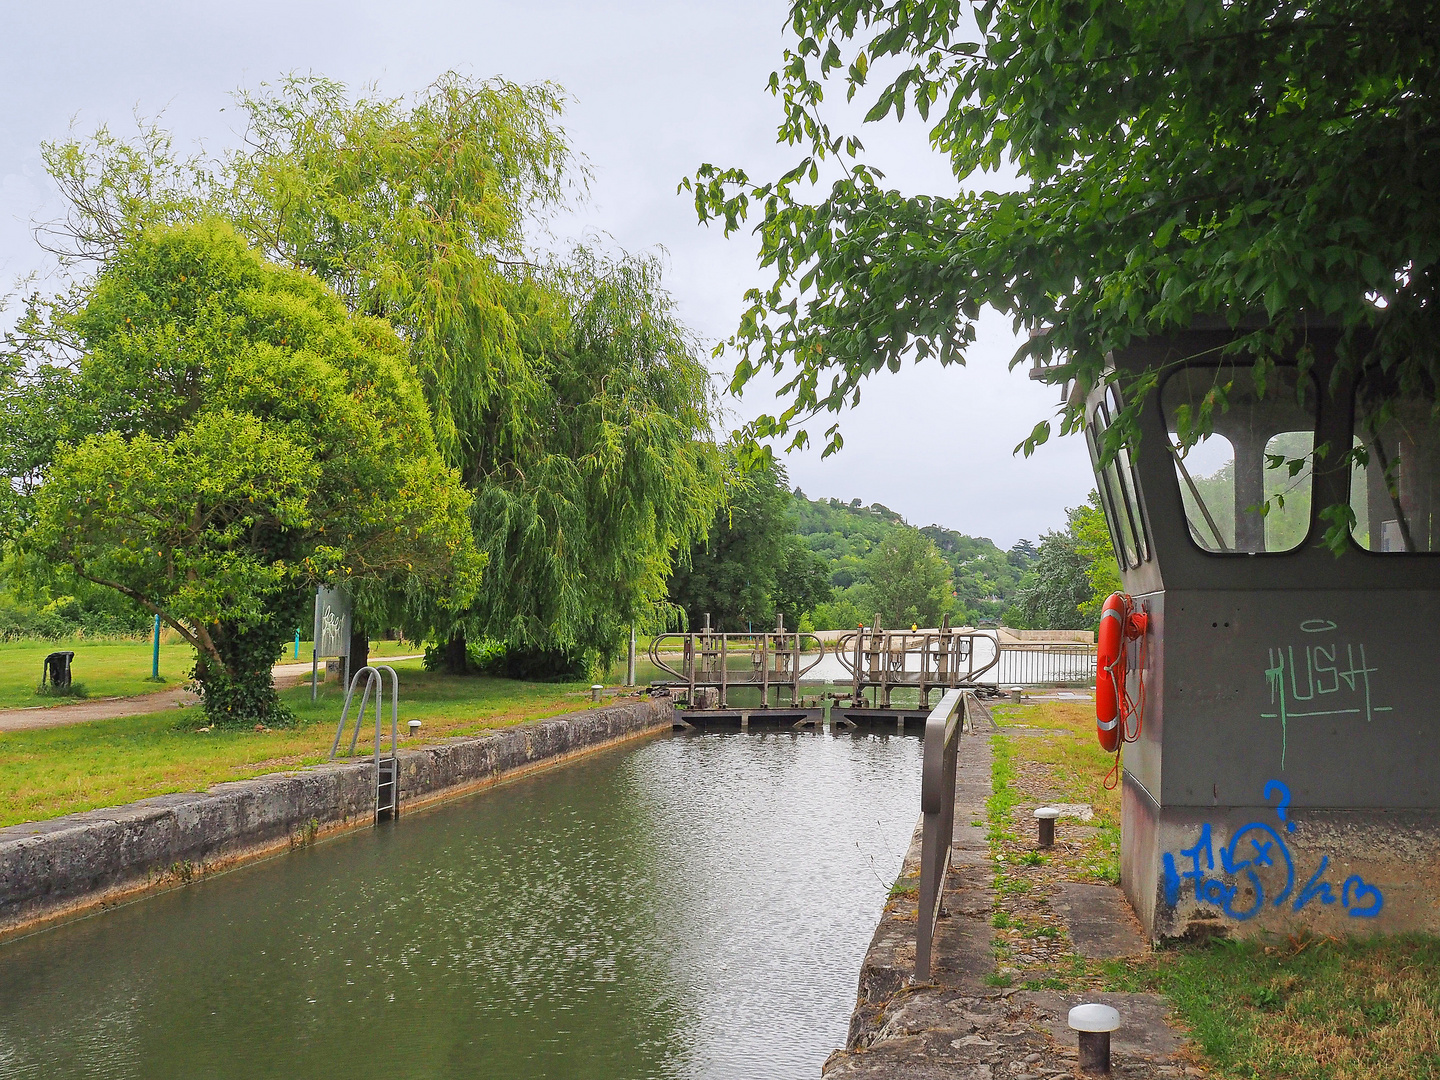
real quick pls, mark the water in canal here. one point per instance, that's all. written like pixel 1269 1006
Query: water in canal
pixel 689 907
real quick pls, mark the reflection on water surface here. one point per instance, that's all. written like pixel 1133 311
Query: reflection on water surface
pixel 689 907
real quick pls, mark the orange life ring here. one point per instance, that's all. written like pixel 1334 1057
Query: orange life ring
pixel 1119 623
pixel 1110 672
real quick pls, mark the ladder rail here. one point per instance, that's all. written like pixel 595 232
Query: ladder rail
pixel 374 676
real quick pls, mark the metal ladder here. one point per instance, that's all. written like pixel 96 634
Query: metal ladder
pixel 387 769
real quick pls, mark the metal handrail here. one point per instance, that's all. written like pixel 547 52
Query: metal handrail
pixel 879 660
pixel 935 648
pixel 937 808
pixel 759 645
pixel 706 660
pixel 376 681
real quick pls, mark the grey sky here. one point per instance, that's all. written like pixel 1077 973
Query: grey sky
pixel 658 88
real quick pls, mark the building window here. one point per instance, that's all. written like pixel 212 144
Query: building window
pixel 1119 487
pixel 1246 480
pixel 1393 489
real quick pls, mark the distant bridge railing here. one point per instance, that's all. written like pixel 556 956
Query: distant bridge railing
pixel 1044 664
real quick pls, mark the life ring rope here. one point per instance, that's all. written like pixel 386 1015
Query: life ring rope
pixel 1119 716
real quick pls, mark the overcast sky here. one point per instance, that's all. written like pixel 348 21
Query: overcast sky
pixel 657 88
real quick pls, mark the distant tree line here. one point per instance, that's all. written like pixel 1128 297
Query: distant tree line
pixel 827 564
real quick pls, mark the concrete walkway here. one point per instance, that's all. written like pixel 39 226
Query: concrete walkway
pixel 962 1027
pixel 80 712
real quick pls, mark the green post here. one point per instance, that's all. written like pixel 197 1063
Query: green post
pixel 155 653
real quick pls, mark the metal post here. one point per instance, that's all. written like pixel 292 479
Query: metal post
pixel 859 653
pixel 1045 819
pixel 795 670
pixel 885 671
pixel 297 643
pixel 724 667
pixel 314 674
pixel 925 672
pixel 765 671
pixel 155 653
pixel 1094 1022
pixel 630 665
pixel 690 668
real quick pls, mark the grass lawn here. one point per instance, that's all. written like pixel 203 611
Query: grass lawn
pixel 1308 1009
pixel 105 668
pixel 1302 1008
pixel 62 770
pixel 1052 746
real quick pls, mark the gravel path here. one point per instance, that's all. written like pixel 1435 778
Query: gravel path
pixel 79 712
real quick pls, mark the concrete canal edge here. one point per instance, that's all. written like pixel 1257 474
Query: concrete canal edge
pixel 962 953
pixel 68 867
pixel 957 1024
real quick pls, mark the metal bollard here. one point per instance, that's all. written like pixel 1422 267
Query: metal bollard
pixel 414 726
pixel 595 692
pixel 1094 1022
pixel 1045 816
pixel 1015 695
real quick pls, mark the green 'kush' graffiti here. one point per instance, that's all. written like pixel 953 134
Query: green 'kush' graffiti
pixel 1302 684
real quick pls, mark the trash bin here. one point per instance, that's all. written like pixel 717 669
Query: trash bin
pixel 57 669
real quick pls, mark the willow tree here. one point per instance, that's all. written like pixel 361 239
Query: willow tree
pixel 1175 159
pixel 615 475
pixel 234 437
pixel 565 392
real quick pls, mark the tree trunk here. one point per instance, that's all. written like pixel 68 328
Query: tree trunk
pixel 359 649
pixel 457 656
pixel 240 692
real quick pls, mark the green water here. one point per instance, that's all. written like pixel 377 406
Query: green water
pixel 688 907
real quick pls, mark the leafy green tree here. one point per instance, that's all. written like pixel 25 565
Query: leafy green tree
pixel 234 436
pixel 842 612
pixel 732 575
pixel 1175 159
pixel 1072 574
pixel 1022 554
pixel 1055 588
pixel 908 582
pixel 1091 537
pixel 415 211
pixel 983 576
pixel 802 582
pixel 571 399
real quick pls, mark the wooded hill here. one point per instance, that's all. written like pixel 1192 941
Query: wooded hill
pixel 983 577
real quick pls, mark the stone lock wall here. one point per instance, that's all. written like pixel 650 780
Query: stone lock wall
pixel 72 865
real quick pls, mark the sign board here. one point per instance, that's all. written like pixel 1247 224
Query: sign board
pixel 332 622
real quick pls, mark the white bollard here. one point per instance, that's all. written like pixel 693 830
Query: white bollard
pixel 1045 816
pixel 1094 1022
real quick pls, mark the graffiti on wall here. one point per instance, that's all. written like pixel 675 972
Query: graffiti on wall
pixel 1234 877
pixel 1325 677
